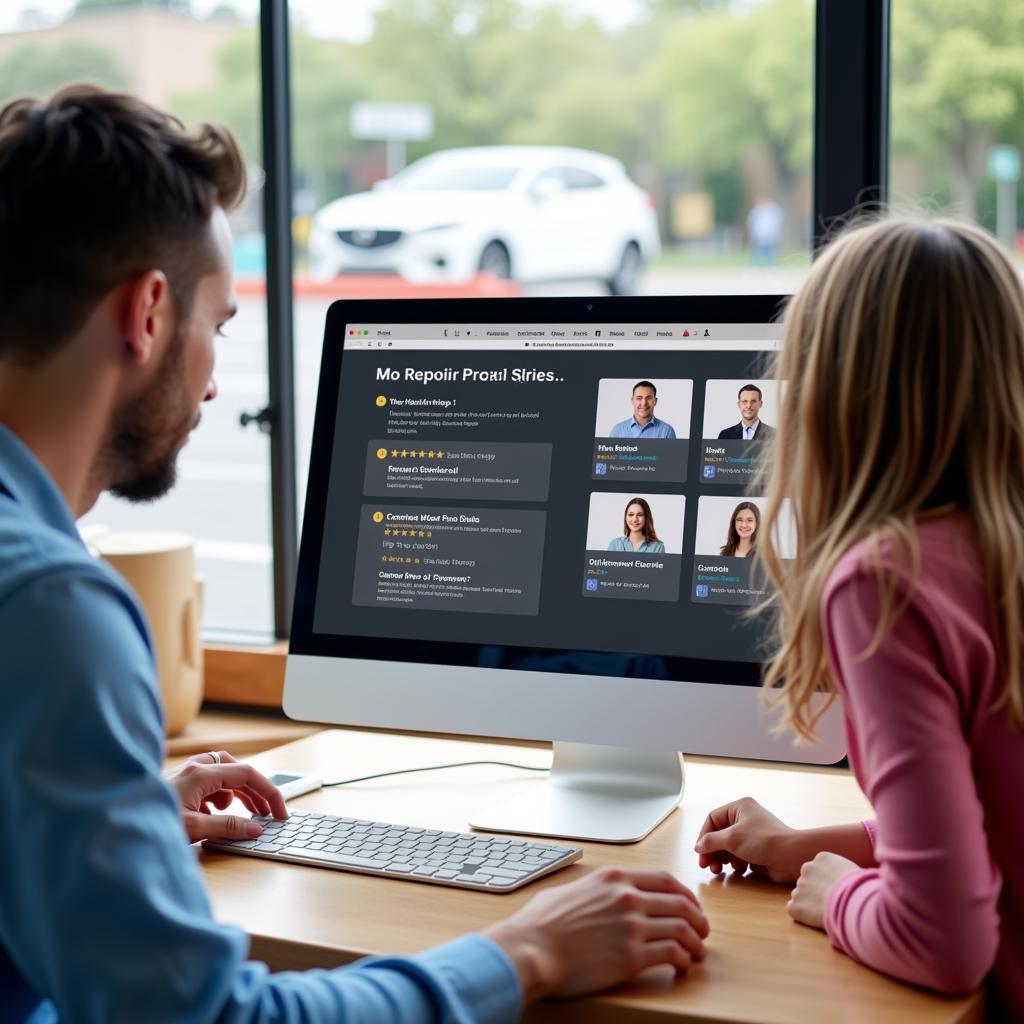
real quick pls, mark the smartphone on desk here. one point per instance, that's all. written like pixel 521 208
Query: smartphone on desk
pixel 293 784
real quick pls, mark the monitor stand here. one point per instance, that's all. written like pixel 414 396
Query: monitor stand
pixel 595 793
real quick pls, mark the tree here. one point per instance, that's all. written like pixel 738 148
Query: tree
pixel 502 71
pixel 326 80
pixel 735 82
pixel 37 70
pixel 958 81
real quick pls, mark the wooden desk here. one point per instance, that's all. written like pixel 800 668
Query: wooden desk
pixel 761 966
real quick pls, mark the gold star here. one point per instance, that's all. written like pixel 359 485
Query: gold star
pixel 387 533
pixel 423 533
pixel 394 453
pixel 423 455
pixel 430 533
pixel 430 454
pixel 440 454
pixel 416 561
pixel 383 558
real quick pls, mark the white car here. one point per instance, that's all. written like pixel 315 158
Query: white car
pixel 532 213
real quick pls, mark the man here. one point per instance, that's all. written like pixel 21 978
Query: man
pixel 114 279
pixel 750 427
pixel 643 423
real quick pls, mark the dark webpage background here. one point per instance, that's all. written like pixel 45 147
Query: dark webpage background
pixel 566 620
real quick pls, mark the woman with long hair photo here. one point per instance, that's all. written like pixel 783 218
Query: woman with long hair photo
pixel 741 539
pixel 638 533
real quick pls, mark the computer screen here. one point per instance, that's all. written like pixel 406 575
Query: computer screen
pixel 540 518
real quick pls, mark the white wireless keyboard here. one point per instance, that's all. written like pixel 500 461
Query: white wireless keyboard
pixel 465 860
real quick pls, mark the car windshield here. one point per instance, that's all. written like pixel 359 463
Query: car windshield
pixel 449 178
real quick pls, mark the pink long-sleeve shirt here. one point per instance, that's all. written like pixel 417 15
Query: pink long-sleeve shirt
pixel 945 905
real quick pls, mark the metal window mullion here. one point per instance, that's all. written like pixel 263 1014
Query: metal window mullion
pixel 851 110
pixel 277 198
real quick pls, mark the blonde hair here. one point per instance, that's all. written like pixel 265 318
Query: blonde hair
pixel 904 356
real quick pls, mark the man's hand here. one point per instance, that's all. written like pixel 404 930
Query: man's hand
pixel 744 835
pixel 602 930
pixel 807 903
pixel 202 784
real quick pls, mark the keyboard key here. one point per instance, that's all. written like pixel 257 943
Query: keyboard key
pixel 506 873
pixel 337 858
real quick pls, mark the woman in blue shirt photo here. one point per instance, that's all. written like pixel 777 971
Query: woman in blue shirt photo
pixel 638 532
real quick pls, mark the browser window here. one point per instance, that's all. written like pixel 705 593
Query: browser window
pixel 584 487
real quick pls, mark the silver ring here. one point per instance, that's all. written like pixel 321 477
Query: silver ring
pixel 215 755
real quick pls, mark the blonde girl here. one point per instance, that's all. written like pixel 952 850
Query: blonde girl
pixel 901 447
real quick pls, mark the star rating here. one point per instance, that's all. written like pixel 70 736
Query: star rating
pixel 416 453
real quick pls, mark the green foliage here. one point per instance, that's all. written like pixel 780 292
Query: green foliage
pixel 236 100
pixel 958 85
pixel 38 70
pixel 326 81
pixel 730 80
pixel 499 71
pixel 706 93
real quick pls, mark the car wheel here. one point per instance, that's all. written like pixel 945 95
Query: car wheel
pixel 496 260
pixel 625 279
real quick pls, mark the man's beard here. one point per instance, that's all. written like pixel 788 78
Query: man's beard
pixel 142 449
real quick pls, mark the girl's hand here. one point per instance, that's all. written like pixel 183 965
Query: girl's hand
pixel 807 903
pixel 744 834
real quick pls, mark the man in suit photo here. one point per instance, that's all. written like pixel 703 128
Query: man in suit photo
pixel 750 427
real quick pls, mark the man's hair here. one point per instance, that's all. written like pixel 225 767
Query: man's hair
pixel 748 387
pixel 95 188
pixel 644 384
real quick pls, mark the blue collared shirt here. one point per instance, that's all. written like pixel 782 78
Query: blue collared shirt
pixel 103 913
pixel 655 429
pixel 621 543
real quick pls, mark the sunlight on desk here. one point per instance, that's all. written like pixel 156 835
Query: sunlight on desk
pixel 760 967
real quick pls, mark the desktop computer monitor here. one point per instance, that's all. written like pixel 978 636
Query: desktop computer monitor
pixel 537 518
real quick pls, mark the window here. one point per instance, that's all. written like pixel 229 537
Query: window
pixel 703 108
pixel 200 68
pixel 958 110
pixel 576 177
